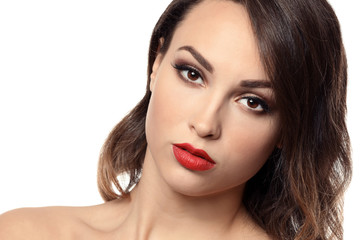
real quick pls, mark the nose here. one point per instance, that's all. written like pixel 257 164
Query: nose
pixel 206 120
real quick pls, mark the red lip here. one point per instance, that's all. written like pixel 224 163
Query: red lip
pixel 192 158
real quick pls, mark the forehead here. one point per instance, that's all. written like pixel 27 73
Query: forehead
pixel 220 30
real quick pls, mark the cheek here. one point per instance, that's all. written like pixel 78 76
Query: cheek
pixel 164 111
pixel 248 147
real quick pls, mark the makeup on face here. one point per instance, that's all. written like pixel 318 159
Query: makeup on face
pixel 211 93
pixel 192 158
pixel 195 76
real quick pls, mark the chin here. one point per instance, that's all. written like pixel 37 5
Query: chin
pixel 195 184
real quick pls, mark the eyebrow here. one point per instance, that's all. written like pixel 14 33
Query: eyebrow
pixel 209 67
pixel 256 84
pixel 198 57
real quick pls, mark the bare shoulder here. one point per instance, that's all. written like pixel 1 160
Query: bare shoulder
pixel 36 223
pixel 58 222
pixel 262 235
pixel 254 234
pixel 249 230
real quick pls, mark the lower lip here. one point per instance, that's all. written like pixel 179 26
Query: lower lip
pixel 191 161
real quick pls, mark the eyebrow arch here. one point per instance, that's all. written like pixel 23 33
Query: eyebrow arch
pixel 209 67
pixel 198 57
pixel 255 84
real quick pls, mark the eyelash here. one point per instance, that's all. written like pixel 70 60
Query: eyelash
pixel 256 100
pixel 182 68
pixel 264 106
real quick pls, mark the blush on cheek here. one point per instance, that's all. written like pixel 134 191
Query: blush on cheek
pixel 246 167
pixel 162 110
pixel 250 148
pixel 169 104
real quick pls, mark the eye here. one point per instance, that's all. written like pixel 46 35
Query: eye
pixel 189 74
pixel 255 104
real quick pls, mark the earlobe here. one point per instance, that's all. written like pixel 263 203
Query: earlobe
pixel 154 72
pixel 156 65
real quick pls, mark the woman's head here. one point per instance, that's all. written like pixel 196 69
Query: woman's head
pixel 300 53
pixel 209 89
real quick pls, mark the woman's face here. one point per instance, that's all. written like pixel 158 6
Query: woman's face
pixel 210 91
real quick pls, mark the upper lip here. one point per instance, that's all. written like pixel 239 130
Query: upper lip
pixel 195 151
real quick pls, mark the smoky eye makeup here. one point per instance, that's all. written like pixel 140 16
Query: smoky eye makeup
pixel 249 98
pixel 188 72
pixel 254 103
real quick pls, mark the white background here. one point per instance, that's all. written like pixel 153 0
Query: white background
pixel 70 70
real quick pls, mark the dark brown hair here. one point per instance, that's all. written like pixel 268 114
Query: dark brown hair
pixel 298 193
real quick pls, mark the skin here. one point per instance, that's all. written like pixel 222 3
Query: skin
pixel 211 109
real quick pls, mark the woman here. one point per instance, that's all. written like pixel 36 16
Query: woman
pixel 240 135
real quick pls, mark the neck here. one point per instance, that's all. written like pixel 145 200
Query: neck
pixel 157 209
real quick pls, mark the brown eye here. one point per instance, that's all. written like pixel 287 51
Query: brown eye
pixel 252 103
pixel 193 76
pixel 189 74
pixel 255 104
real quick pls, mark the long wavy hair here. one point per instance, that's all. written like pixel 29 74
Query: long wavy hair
pixel 298 193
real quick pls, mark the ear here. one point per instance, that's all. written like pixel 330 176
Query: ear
pixel 156 65
pixel 154 72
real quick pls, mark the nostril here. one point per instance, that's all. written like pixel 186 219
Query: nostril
pixel 206 119
pixel 206 130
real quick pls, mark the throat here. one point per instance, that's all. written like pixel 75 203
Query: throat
pixel 158 208
pixel 189 217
